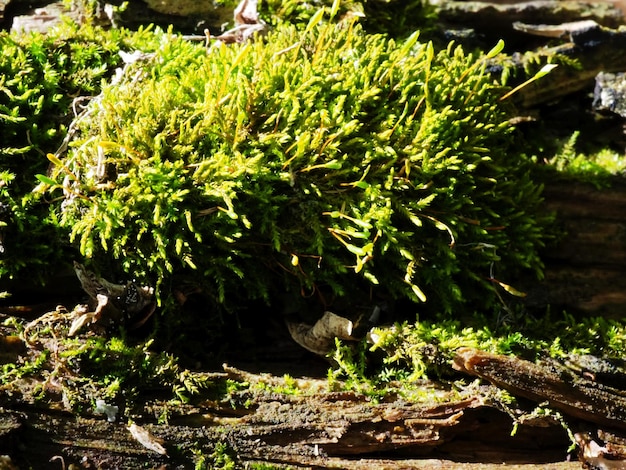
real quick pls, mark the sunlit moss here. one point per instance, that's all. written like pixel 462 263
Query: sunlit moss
pixel 371 165
pixel 413 351
pixel 40 77
pixel 596 167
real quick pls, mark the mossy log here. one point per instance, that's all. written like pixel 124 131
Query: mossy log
pixel 578 397
pixel 585 272
pixel 323 430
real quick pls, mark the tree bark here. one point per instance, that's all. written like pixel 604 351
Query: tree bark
pixel 586 269
pixel 321 430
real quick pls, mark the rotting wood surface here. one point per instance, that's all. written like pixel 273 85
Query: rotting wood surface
pixel 321 430
pixel 585 270
pixel 575 396
pixel 501 15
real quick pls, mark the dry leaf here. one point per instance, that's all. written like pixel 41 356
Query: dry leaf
pixel 247 23
pixel 246 13
pixel 320 338
pixel 146 439
pixel 80 321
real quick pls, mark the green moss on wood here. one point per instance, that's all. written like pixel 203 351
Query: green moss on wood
pixel 328 162
pixel 40 76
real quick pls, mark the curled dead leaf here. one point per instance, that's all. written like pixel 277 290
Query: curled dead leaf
pixel 320 338
pixel 146 439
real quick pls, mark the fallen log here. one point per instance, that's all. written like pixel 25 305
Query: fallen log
pixel 323 430
pixel 590 33
pixel 578 397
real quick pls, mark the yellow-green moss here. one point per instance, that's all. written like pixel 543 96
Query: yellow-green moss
pixel 328 162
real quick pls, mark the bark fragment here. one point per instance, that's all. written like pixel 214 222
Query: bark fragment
pixel 575 396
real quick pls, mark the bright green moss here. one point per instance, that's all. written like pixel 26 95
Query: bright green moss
pixel 40 75
pixel 392 359
pixel 327 162
pixel 597 166
pixel 395 18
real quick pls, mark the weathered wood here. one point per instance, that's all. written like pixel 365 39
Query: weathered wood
pixel 610 93
pixel 575 396
pixel 590 36
pixel 501 16
pixel 320 430
pixel 314 428
pixel 586 269
pixel 42 19
pixel 323 429
pixel 594 49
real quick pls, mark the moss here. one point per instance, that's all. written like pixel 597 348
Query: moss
pixel 373 166
pixel 394 359
pixel 86 368
pixel 395 18
pixel 373 169
pixel 598 165
pixel 41 75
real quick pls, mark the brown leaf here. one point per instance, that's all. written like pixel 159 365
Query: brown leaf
pixel 246 13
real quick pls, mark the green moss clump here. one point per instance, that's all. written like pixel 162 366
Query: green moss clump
pixel 326 162
pixel 395 18
pixel 597 166
pixel 405 352
pixel 90 367
pixel 40 75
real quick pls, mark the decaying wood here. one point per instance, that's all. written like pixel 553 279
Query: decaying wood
pixel 579 397
pixel 590 32
pixel 609 455
pixel 585 269
pixel 323 429
pixel 595 49
pixel 106 445
pixel 562 30
pixel 575 396
pixel 501 16
pixel 317 427
pixel 610 93
pixel 330 429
